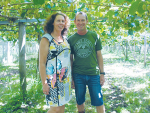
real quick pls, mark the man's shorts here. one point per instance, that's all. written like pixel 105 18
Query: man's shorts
pixel 93 82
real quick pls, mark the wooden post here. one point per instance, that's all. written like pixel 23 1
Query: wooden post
pixel 37 71
pixel 126 50
pixel 22 62
pixel 145 51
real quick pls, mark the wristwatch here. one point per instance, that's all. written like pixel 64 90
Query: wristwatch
pixel 102 73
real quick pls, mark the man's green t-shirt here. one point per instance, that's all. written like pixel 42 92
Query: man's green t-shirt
pixel 84 48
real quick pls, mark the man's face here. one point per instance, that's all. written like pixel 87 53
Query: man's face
pixel 80 22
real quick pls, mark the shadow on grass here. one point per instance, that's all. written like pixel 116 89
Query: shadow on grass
pixel 113 98
pixel 118 60
pixel 33 104
pixel 12 105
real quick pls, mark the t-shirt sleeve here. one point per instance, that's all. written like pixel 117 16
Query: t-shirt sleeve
pixel 98 43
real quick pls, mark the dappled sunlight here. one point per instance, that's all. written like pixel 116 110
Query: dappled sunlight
pixel 124 111
pixel 2 104
pixel 137 87
pixel 126 87
pixel 45 107
pixel 24 105
pixel 110 56
pixel 121 70
pixel 14 82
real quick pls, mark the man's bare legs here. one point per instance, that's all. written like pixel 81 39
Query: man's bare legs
pixel 80 108
pixel 100 109
pixel 59 109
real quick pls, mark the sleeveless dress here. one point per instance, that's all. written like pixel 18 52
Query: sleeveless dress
pixel 60 83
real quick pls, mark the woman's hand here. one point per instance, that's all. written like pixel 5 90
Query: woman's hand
pixel 46 89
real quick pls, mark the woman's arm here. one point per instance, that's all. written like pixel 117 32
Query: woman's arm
pixel 43 51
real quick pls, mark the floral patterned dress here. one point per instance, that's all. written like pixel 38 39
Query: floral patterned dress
pixel 60 83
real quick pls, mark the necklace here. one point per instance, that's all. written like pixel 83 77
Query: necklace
pixel 57 41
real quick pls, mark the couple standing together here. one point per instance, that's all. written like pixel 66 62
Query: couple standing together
pixel 75 63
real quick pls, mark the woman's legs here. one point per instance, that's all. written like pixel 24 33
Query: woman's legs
pixel 59 109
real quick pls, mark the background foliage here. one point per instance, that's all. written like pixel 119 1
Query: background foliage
pixel 109 18
pixel 123 22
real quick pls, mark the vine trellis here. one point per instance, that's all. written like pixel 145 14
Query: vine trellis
pixel 109 18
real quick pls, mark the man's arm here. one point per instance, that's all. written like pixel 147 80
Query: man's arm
pixel 101 66
pixel 71 59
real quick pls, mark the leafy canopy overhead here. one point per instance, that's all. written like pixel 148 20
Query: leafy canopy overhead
pixel 109 18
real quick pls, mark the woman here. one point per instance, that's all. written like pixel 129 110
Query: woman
pixel 55 52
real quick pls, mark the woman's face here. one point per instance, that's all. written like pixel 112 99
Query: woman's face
pixel 59 23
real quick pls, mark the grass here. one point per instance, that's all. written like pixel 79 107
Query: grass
pixel 126 89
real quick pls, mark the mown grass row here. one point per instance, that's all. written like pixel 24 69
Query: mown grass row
pixel 125 94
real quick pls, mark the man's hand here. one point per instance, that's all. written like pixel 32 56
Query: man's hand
pixel 46 89
pixel 102 79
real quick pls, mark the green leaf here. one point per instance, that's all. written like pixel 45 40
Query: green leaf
pixel 96 7
pixel 117 26
pixel 23 14
pixel 133 8
pixel 89 18
pixel 132 18
pixel 141 7
pixel 138 28
pixel 83 5
pixel 110 14
pixel 137 23
pixel 130 32
pixel 83 1
pixel 119 1
pixel 97 13
pixel 38 2
pixel 28 0
pixel 73 15
pixel 129 1
pixel 103 33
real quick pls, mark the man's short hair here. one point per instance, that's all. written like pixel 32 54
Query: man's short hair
pixel 83 13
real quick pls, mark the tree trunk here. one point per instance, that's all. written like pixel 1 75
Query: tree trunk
pixel 22 62
pixel 3 52
pixel 123 50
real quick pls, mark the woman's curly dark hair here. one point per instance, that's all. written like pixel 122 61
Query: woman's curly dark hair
pixel 48 25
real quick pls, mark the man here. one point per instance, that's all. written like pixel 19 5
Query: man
pixel 87 64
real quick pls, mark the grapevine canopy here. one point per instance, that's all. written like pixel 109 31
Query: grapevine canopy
pixel 109 18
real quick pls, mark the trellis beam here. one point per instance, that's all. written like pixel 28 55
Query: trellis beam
pixel 24 20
